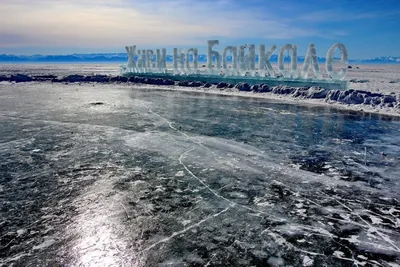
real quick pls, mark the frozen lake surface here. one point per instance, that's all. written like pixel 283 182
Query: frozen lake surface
pixel 103 175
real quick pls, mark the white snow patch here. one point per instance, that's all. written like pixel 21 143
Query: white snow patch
pixel 375 220
pixel 180 174
pixel 21 232
pixel 299 205
pixel 275 261
pixel 137 169
pixel 186 222
pixel 307 261
pixel 338 254
pixel 47 243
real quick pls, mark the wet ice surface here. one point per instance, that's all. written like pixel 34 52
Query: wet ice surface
pixel 111 176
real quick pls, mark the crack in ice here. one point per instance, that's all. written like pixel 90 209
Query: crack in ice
pixel 214 192
pixel 185 230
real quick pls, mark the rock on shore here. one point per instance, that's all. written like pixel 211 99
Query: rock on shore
pixel 351 97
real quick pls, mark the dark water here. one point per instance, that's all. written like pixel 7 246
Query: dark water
pixel 117 176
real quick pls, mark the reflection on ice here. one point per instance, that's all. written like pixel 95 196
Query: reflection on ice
pixel 96 226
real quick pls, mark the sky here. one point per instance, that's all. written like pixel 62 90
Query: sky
pixel 368 28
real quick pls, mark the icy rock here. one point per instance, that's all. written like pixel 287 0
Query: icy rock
pixel 155 81
pixel 147 80
pixel 73 78
pixel 20 78
pixel 254 88
pixel 183 83
pixel 222 85
pixel 264 88
pixel 300 92
pixel 283 90
pixel 376 100
pixel 333 95
pixel 195 84
pixel 131 79
pixel 354 98
pixel 389 105
pixel 117 79
pixel 87 79
pixel 389 99
pixel 137 79
pixel 243 87
pixel 374 94
pixel 317 92
pixel 122 79
pixel 100 79
pixel 114 79
pixel 168 82
pixel 207 85
pixel 44 77
pixel 367 100
pixel 342 95
pixel 159 81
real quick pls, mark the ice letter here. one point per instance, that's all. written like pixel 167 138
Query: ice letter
pixel 233 50
pixel 131 50
pixel 210 55
pixel 343 60
pixel 311 57
pixel 161 60
pixel 144 61
pixel 180 58
pixel 141 61
pixel 293 69
pixel 263 60
pixel 242 62
pixel 251 59
pixel 195 59
pixel 150 60
pixel 247 62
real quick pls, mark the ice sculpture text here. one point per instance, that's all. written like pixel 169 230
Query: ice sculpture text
pixel 243 61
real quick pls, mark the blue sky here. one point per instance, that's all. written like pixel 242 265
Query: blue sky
pixel 368 28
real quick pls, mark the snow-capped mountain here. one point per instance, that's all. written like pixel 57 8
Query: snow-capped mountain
pixel 122 58
pixel 388 59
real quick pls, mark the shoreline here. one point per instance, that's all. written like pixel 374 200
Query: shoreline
pixel 386 111
pixel 361 101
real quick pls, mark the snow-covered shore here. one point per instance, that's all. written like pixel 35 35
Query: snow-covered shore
pixel 372 88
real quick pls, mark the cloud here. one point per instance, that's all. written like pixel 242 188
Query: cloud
pixel 101 23
pixel 340 15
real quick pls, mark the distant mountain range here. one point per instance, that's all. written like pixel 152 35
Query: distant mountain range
pixel 122 58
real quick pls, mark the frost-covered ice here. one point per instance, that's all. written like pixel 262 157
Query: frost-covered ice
pixel 156 178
